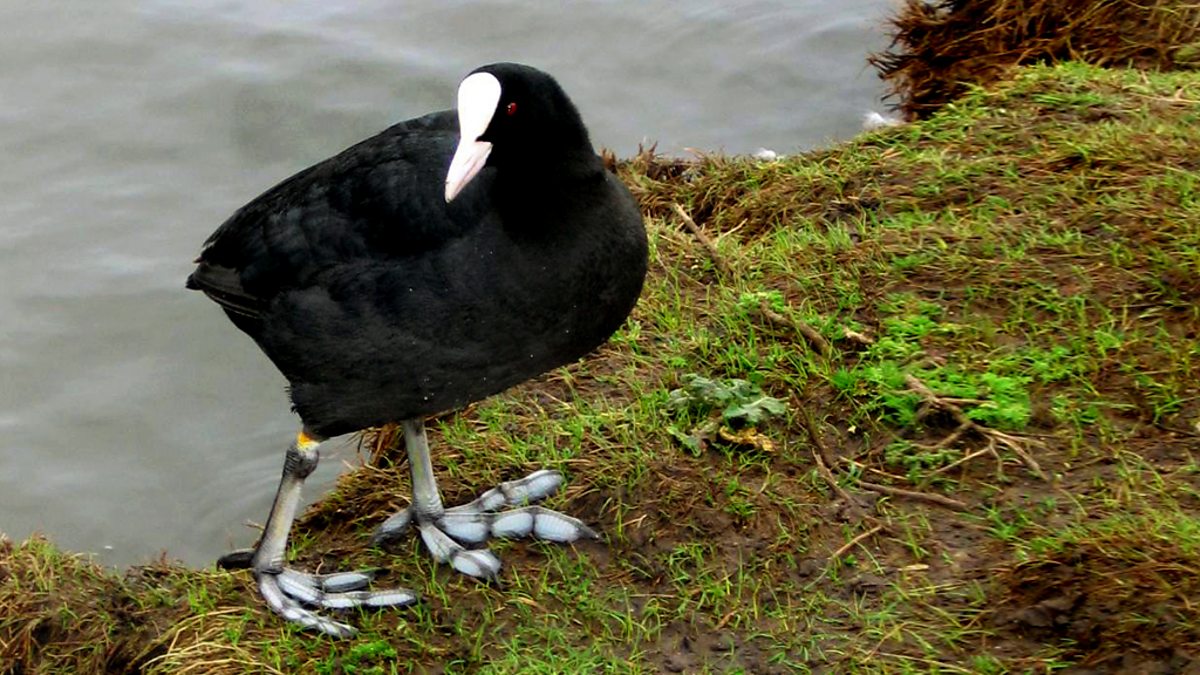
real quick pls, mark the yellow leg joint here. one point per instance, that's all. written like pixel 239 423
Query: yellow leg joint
pixel 306 442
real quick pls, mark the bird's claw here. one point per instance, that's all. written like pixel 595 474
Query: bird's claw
pixel 240 559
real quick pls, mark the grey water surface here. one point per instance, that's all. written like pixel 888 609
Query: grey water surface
pixel 134 418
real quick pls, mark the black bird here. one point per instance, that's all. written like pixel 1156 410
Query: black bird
pixel 437 263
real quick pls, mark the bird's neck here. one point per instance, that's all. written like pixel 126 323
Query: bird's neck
pixel 547 186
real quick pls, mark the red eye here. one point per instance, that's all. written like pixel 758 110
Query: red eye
pixel 511 109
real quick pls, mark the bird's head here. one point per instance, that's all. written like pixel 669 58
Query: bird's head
pixel 510 114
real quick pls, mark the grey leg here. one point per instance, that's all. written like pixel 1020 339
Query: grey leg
pixel 287 591
pixel 447 531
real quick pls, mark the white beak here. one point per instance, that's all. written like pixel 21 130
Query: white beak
pixel 478 96
pixel 469 158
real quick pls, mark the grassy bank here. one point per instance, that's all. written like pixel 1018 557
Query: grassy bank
pixel 927 401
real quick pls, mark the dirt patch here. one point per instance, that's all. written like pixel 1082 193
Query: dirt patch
pixel 1112 601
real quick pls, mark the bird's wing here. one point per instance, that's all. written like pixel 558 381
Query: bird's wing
pixel 224 286
pixel 379 199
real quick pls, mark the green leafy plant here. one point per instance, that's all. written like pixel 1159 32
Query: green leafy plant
pixel 742 406
pixel 997 397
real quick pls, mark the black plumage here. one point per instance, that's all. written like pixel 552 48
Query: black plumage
pixel 379 301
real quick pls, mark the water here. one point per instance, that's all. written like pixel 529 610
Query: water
pixel 134 417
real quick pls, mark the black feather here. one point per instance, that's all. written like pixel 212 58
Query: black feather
pixel 381 302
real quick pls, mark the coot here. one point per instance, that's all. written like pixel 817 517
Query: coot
pixel 434 264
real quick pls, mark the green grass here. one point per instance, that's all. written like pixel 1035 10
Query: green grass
pixel 1008 288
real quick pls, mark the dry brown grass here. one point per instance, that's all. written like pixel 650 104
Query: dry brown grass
pixel 723 193
pixel 940 49
pixel 49 604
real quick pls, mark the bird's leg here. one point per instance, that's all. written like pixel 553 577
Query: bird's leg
pixel 288 591
pixel 447 532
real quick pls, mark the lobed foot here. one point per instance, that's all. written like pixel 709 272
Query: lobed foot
pixel 289 593
pixel 448 534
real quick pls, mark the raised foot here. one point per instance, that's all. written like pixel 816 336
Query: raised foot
pixel 290 593
pixel 448 535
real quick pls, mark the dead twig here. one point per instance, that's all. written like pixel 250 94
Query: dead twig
pixel 918 496
pixel 947 441
pixel 860 338
pixel 814 338
pixel 958 462
pixel 855 542
pixel 808 332
pixel 850 500
pixel 823 459
pixel 1014 443
pixel 722 266
pixel 810 429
